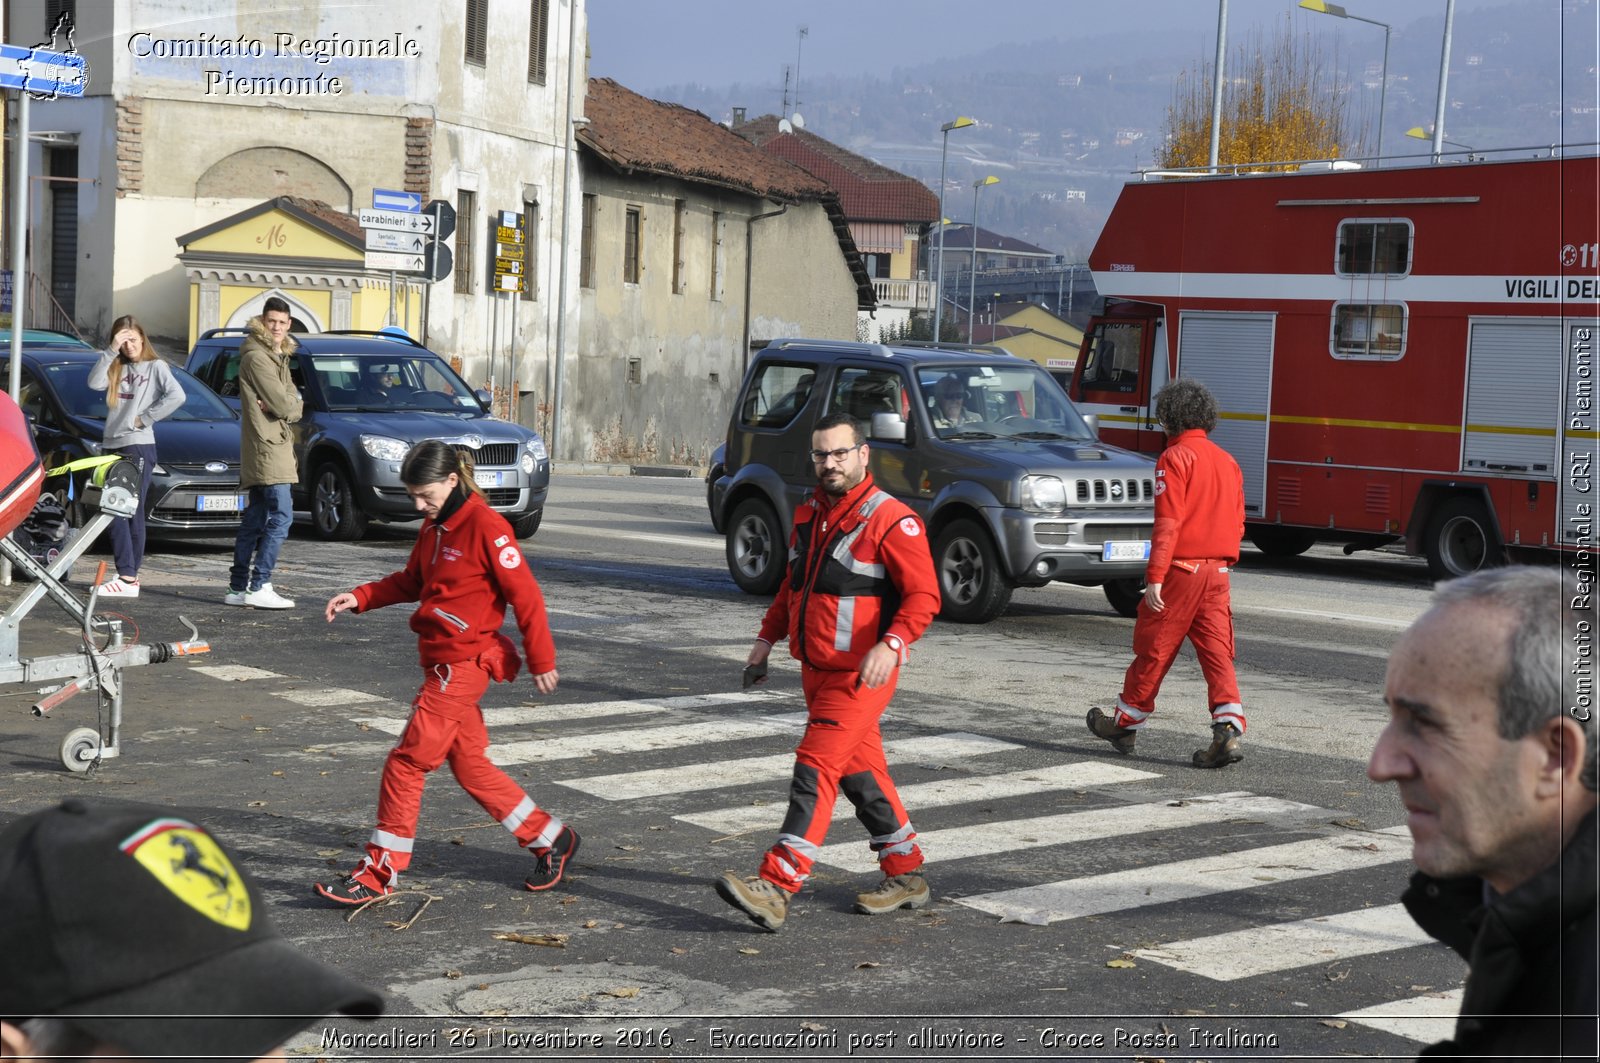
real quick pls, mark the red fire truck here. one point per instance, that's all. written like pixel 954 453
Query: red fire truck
pixel 1397 353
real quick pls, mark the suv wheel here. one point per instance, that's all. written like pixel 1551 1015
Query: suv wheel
pixel 1125 595
pixel 334 513
pixel 755 547
pixel 524 527
pixel 974 588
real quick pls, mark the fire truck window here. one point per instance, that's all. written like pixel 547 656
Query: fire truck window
pixel 1113 360
pixel 1369 331
pixel 1375 248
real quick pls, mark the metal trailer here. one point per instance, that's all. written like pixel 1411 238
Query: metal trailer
pixel 112 493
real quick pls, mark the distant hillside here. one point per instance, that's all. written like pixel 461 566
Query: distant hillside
pixel 1063 123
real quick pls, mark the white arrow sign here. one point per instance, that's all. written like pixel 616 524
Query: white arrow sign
pixel 390 240
pixel 391 260
pixel 397 220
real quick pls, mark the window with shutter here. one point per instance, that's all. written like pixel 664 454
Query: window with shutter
pixel 477 33
pixel 538 41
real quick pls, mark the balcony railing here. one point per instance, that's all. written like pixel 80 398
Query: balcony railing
pixel 903 294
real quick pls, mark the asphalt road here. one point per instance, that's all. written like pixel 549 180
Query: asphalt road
pixel 1086 905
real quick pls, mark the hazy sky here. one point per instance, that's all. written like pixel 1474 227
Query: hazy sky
pixel 647 44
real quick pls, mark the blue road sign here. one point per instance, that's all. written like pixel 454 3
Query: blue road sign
pixel 389 199
pixel 42 72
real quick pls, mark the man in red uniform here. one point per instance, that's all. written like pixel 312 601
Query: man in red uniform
pixel 1199 522
pixel 860 589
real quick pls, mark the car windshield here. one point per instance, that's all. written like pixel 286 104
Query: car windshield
pixel 70 382
pixel 1018 401
pixel 400 381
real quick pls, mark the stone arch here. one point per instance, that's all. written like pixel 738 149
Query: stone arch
pixel 269 172
pixel 301 319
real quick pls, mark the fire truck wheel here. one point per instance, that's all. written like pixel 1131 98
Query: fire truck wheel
pixel 755 547
pixel 80 748
pixel 1125 595
pixel 1282 542
pixel 974 587
pixel 1461 539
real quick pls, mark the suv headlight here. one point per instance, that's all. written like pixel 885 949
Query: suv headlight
pixel 1043 494
pixel 384 448
pixel 536 448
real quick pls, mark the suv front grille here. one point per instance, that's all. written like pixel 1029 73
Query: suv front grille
pixel 503 496
pixel 495 454
pixel 1115 491
pixel 1110 533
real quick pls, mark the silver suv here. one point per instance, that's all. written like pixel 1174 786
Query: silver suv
pixel 1015 488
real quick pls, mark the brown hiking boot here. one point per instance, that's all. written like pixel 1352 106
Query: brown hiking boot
pixel 1103 726
pixel 763 902
pixel 897 891
pixel 1224 748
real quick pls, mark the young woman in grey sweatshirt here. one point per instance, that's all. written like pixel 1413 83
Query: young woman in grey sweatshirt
pixel 140 390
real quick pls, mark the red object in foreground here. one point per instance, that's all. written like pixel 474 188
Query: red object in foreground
pixel 21 470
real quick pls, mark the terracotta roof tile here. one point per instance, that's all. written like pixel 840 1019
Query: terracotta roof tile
pixel 868 191
pixel 634 133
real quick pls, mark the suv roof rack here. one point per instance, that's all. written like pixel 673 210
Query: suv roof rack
pixel 847 346
pixel 396 336
pixel 958 348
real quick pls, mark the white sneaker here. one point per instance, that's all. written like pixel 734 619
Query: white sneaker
pixel 235 598
pixel 121 587
pixel 267 598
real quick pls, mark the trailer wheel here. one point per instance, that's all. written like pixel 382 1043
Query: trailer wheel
pixel 974 587
pixel 1278 541
pixel 1461 539
pixel 1125 595
pixel 755 547
pixel 80 748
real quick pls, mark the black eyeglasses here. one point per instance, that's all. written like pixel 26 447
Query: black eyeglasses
pixel 820 457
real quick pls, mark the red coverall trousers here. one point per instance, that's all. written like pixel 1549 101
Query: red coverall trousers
pixel 446 725
pixel 842 751
pixel 1197 608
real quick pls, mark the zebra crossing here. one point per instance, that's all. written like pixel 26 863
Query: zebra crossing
pixel 976 775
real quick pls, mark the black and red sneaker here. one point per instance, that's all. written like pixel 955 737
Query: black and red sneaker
pixel 553 861
pixel 351 890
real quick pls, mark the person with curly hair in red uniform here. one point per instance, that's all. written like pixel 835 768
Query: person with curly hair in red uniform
pixel 860 589
pixel 1195 543
pixel 463 571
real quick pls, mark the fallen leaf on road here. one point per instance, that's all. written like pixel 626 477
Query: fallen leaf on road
pixel 258 804
pixel 1121 963
pixel 626 992
pixel 278 774
pixel 555 941
pixel 679 951
pixel 864 964
pixel 749 952
pixel 1337 1024
pixel 452 974
pixel 329 852
pixel 591 924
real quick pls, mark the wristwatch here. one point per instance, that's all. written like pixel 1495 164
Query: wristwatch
pixel 895 643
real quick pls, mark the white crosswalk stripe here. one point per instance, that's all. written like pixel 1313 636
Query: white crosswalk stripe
pixel 1427 1018
pixel 943 793
pixel 962 843
pixel 1284 946
pixel 715 774
pixel 613 731
pixel 1054 902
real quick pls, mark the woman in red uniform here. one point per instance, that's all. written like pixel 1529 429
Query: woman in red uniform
pixel 464 570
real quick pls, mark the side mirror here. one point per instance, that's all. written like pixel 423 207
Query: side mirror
pixel 483 396
pixel 889 426
pixel 1093 421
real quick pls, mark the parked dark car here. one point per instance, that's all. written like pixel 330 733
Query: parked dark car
pixel 1017 490
pixel 368 398
pixel 194 488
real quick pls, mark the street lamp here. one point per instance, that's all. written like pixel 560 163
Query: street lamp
pixel 972 291
pixel 938 296
pixel 1416 132
pixel 1336 11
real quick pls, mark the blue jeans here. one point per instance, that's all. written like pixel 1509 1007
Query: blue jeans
pixel 127 533
pixel 261 534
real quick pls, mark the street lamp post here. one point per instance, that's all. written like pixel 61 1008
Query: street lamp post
pixel 944 150
pixel 972 291
pixel 1336 11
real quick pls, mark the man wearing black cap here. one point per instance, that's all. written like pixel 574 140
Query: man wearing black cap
pixel 129 929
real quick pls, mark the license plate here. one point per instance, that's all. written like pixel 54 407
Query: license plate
pixel 1128 551
pixel 219 503
pixel 487 477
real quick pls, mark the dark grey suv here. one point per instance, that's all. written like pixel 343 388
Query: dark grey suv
pixel 1015 488
pixel 368 398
